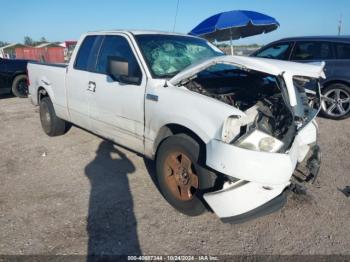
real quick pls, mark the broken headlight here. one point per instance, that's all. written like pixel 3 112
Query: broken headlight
pixel 259 141
pixel 230 129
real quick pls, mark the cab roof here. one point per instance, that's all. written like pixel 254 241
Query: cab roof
pixel 137 32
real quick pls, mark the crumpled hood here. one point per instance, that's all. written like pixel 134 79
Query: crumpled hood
pixel 269 66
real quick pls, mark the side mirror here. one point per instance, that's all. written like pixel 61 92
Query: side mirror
pixel 118 70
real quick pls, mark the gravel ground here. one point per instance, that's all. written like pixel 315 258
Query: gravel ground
pixel 78 194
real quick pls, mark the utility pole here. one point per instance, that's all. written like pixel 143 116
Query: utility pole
pixel 340 25
pixel 177 9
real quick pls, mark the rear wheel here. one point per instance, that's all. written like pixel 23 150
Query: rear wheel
pixel 20 86
pixel 182 178
pixel 336 101
pixel 51 124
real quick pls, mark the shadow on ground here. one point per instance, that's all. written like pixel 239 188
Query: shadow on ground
pixel 111 223
pixel 151 169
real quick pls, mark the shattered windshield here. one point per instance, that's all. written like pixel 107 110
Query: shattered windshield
pixel 166 55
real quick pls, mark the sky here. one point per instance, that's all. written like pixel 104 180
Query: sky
pixel 61 20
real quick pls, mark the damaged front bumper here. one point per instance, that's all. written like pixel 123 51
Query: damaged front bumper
pixel 262 177
pixel 308 169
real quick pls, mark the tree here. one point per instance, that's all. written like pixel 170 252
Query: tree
pixel 43 40
pixel 28 41
pixel 2 43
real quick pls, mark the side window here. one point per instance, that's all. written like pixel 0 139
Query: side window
pixel 312 51
pixel 117 46
pixel 279 51
pixel 87 53
pixel 342 50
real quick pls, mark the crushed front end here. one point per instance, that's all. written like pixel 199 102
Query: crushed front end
pixel 257 181
pixel 275 149
pixel 257 154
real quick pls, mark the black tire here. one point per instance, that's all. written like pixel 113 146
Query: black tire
pixel 19 86
pixel 51 124
pixel 186 145
pixel 330 99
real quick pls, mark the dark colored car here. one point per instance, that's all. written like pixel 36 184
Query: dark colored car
pixel 335 51
pixel 13 77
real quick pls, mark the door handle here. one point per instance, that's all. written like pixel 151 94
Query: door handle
pixel 152 97
pixel 92 86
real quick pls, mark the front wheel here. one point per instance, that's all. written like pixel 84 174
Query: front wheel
pixel 181 177
pixel 336 101
pixel 20 86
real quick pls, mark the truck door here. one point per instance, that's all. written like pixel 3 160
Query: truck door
pixel 78 85
pixel 117 109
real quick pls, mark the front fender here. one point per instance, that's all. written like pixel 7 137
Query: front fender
pixel 177 105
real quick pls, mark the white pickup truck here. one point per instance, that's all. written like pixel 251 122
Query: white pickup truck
pixel 226 132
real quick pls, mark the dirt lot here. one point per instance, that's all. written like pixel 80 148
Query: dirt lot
pixel 78 194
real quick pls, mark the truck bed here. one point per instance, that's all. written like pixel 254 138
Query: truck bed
pixel 49 64
pixel 52 77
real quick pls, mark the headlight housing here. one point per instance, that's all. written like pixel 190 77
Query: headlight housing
pixel 230 129
pixel 259 141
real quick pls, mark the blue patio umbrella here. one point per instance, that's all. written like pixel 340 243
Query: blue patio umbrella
pixel 234 25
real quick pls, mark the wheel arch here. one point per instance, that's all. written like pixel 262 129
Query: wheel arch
pixel 42 92
pixel 336 81
pixel 174 129
pixel 18 73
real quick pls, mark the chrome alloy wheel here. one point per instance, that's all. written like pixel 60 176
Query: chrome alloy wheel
pixel 336 102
